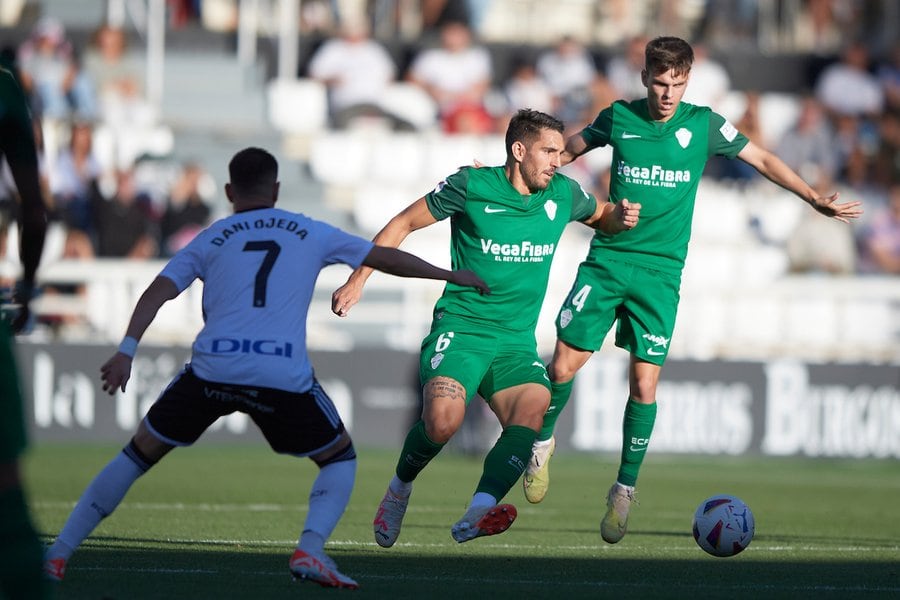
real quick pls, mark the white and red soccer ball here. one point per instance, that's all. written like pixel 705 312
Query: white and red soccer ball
pixel 723 525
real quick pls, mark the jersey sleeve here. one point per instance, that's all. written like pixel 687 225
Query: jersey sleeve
pixel 186 265
pixel 343 247
pixel 724 138
pixel 449 196
pixel 584 204
pixel 598 133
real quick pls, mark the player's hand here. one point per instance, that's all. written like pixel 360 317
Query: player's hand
pixel 470 279
pixel 627 214
pixel 115 373
pixel 344 298
pixel 830 207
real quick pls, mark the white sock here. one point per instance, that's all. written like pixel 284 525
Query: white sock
pixel 400 488
pixel 328 498
pixel 97 502
pixel 629 488
pixel 482 499
pixel 542 443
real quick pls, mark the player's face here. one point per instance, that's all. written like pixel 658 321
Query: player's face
pixel 541 159
pixel 664 93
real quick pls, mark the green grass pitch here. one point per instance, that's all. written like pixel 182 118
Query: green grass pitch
pixel 217 521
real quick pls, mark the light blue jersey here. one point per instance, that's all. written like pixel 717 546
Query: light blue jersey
pixel 259 269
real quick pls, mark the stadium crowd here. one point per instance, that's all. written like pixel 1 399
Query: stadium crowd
pixel 107 202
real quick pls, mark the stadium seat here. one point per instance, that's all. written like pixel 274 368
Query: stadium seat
pixel 297 105
pixel 340 158
pixel 445 154
pixel 411 103
pixel 778 112
pixel 397 158
pixel 375 203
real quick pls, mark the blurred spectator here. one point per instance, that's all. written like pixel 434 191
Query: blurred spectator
pixel 889 76
pixel 879 240
pixel 357 70
pixel 524 89
pixel 73 178
pixel 569 71
pixel 824 246
pixel 51 75
pixel 620 20
pixel 624 70
pixel 848 88
pixel 457 75
pixel 437 13
pixel 184 12
pixel 709 83
pixel 808 147
pixel 122 227
pixel 817 28
pixel 856 181
pixel 118 77
pixel 186 212
pixel 887 153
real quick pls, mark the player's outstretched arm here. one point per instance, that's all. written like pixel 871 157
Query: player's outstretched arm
pixel 116 372
pixel 413 217
pixel 403 264
pixel 775 170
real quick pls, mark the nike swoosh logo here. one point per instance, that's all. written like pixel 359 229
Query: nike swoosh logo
pixel 639 449
pixel 490 210
pixel 653 352
pixel 629 136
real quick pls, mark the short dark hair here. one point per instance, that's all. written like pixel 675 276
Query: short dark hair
pixel 252 171
pixel 665 53
pixel 527 124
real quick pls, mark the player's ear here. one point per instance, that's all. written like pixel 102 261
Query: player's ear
pixel 518 150
pixel 644 78
pixel 275 190
pixel 229 193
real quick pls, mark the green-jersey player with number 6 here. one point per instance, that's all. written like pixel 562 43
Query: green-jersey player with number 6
pixel 505 223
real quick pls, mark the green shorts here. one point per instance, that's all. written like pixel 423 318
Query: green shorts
pixel 482 359
pixel 643 301
pixel 12 424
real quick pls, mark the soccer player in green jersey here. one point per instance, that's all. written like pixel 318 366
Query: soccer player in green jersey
pixel 506 223
pixel 660 147
pixel 21 553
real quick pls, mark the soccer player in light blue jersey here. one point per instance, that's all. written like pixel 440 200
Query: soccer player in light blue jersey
pixel 259 267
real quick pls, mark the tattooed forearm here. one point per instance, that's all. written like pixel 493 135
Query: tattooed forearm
pixel 444 387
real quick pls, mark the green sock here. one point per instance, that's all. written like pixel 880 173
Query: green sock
pixel 506 461
pixel 636 429
pixel 559 397
pixel 21 552
pixel 417 452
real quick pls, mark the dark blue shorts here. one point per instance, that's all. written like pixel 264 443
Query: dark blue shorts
pixel 293 423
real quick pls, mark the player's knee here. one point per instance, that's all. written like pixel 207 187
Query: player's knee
pixel 440 430
pixel 560 372
pixel 344 453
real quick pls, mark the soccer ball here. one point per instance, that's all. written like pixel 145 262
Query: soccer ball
pixel 723 525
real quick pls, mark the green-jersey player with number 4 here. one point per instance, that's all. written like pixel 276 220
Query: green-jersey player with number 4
pixel 505 223
pixel 660 148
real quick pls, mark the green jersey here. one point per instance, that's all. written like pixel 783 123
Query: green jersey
pixel 505 237
pixel 659 166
